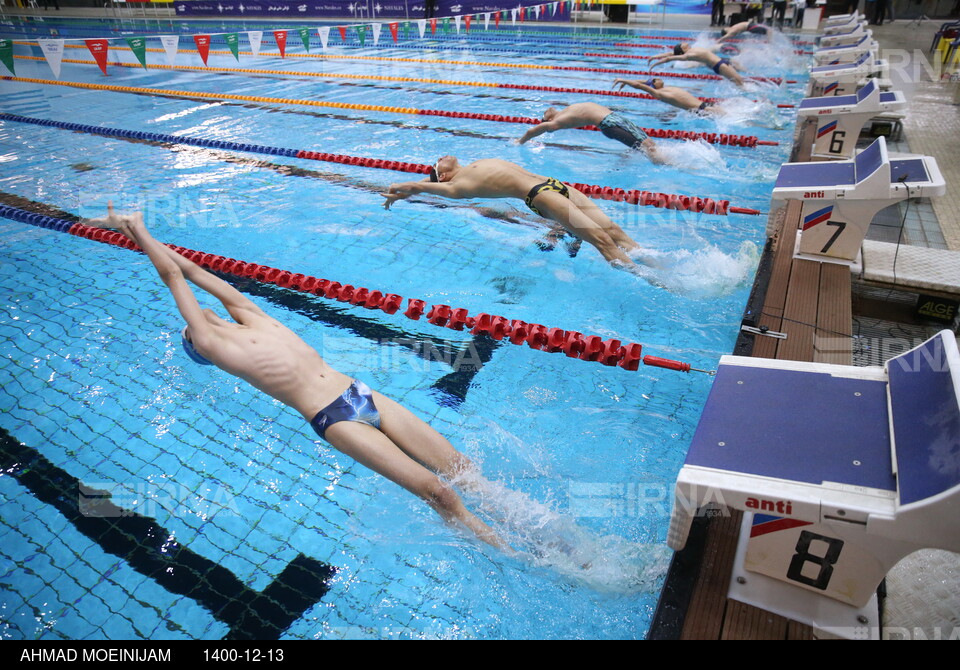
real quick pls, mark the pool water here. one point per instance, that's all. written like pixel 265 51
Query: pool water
pixel 147 497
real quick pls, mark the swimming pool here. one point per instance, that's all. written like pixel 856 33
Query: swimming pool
pixel 145 497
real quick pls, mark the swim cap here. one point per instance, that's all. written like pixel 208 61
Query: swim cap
pixel 435 172
pixel 191 350
pixel 677 50
pixel 650 82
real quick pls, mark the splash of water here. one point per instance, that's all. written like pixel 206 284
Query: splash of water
pixel 703 272
pixel 542 537
pixel 692 156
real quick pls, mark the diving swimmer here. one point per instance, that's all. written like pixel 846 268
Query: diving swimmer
pixel 612 124
pixel 363 424
pixel 546 197
pixel 683 51
pixel 672 95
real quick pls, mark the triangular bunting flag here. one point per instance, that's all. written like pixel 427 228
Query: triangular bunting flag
pixel 553 6
pixel 513 16
pixel 255 37
pixel 456 23
pixel 421 26
pixel 280 37
pixel 393 31
pixel 362 34
pixel 98 48
pixel 233 43
pixel 6 54
pixel 406 29
pixel 343 33
pixel 433 26
pixel 53 52
pixel 305 38
pixel 324 36
pixel 536 12
pixel 138 45
pixel 486 21
pixel 466 22
pixel 203 46
pixel 496 19
pixel 377 27
pixel 446 25
pixel 170 46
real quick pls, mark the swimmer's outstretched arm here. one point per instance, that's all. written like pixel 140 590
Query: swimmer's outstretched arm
pixel 540 129
pixel 635 83
pixel 406 189
pixel 132 226
pixel 666 59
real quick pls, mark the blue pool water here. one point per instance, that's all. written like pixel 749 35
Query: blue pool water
pixel 225 498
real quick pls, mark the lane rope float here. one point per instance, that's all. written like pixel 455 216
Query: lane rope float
pixel 659 133
pixel 573 344
pixel 696 204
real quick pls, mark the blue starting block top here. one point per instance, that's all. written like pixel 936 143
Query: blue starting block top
pixel 845 100
pixel 798 426
pixel 841 68
pixel 816 175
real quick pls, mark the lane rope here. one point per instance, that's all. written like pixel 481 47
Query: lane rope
pixel 696 204
pixel 573 344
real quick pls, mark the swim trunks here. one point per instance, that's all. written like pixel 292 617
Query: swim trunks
pixel 550 185
pixel 721 63
pixel 356 404
pixel 618 128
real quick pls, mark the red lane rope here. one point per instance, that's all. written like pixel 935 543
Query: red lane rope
pixel 574 344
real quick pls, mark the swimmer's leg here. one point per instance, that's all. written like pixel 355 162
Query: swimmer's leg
pixel 374 449
pixel 730 73
pixel 568 213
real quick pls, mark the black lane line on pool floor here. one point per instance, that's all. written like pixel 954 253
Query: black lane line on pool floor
pixel 144 545
pixel 466 358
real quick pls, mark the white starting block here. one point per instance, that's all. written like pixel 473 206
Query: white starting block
pixel 840 198
pixel 851 36
pixel 842 20
pixel 846 54
pixel 841 118
pixel 842 471
pixel 840 28
pixel 845 78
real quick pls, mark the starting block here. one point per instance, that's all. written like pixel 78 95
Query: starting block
pixel 840 198
pixel 842 20
pixel 850 36
pixel 841 471
pixel 850 53
pixel 841 118
pixel 844 79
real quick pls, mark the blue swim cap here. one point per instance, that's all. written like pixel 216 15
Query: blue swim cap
pixel 191 351
pixel 649 82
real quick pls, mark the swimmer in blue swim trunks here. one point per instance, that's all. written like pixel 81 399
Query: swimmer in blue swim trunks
pixel 546 197
pixel 683 51
pixel 363 424
pixel 612 124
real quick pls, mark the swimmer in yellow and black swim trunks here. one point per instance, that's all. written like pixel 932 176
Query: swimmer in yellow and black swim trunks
pixel 612 124
pixel 549 198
